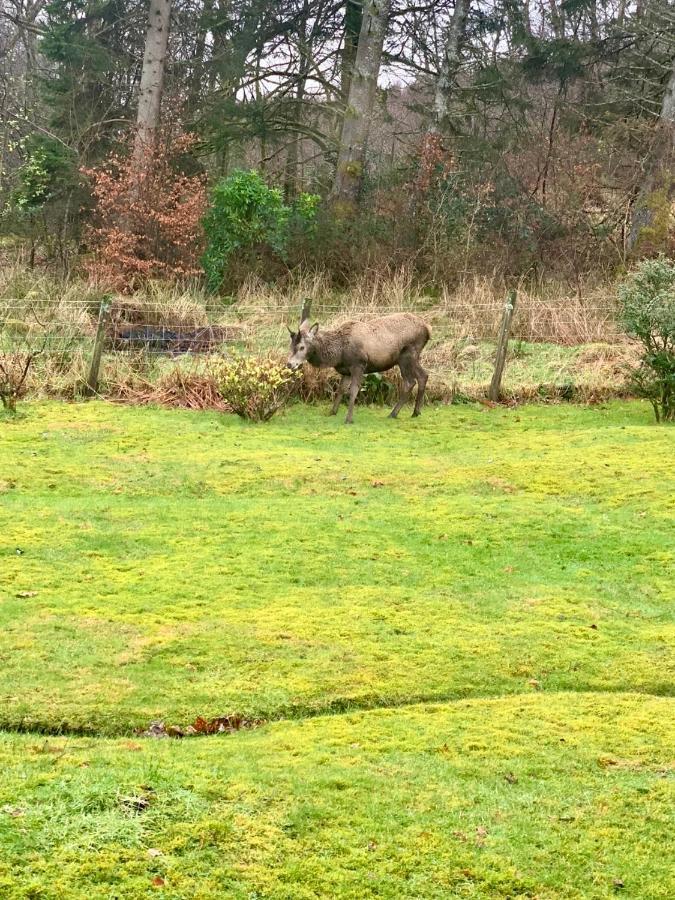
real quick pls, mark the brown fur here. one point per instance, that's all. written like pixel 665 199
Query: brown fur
pixel 356 348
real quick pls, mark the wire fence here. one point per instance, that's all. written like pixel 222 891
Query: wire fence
pixel 68 324
pixel 142 350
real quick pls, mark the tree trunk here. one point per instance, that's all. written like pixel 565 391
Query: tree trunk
pixel 360 106
pixel 152 77
pixel 447 73
pixel 293 151
pixel 195 92
pixel 659 185
pixel 353 22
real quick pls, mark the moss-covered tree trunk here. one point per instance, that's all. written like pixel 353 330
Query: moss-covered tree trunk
pixel 360 107
pixel 651 214
pixel 447 73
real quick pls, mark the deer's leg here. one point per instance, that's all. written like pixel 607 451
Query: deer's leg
pixel 408 376
pixel 344 381
pixel 422 376
pixel 357 376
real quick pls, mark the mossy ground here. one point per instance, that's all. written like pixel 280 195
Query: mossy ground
pixel 547 796
pixel 514 566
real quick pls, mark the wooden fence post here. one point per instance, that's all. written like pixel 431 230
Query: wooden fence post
pixel 502 346
pixel 306 309
pixel 91 384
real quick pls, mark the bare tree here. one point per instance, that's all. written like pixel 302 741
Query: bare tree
pixel 664 148
pixel 152 76
pixel 362 92
pixel 454 39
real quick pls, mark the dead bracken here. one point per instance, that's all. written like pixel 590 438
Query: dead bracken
pixel 200 726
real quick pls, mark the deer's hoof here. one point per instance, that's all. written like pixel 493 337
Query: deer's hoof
pixel 416 414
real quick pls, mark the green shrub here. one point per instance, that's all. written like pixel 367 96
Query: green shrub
pixel 648 313
pixel 245 215
pixel 375 388
pixel 44 206
pixel 255 388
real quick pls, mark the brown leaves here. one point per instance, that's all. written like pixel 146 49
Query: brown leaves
pixel 219 725
pixel 16 812
pixel 177 388
pixel 24 594
pixel 201 726
pixel 138 803
pixel 155 730
pixel 149 222
pixel 481 834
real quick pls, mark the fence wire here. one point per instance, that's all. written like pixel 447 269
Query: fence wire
pixel 69 325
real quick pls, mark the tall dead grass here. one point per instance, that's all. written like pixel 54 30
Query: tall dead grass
pixel 464 321
pixel 545 312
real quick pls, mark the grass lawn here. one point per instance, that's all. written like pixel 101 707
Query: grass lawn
pixel 475 607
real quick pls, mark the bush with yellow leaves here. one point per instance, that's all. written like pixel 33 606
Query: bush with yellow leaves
pixel 255 387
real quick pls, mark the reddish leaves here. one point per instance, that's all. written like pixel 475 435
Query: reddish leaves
pixel 219 725
pixel 149 222
pixel 200 726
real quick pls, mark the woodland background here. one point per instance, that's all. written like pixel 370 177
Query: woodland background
pixel 517 139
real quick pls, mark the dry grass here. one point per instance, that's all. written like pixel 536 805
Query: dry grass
pixel 544 312
pixel 171 306
pixel 464 322
pixel 176 388
pixel 472 310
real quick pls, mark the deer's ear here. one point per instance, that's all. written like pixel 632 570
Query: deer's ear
pixel 304 326
pixel 313 330
pixel 290 331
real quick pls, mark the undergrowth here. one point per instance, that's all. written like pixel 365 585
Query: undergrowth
pixel 564 345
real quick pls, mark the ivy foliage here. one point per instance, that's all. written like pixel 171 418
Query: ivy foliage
pixel 246 215
pixel 47 173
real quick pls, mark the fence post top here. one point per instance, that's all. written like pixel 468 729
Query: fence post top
pixel 510 304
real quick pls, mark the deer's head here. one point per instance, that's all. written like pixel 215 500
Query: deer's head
pixel 301 344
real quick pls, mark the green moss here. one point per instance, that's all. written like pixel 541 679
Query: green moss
pixel 175 564
pixel 171 565
pixel 655 236
pixel 545 796
pixel 353 168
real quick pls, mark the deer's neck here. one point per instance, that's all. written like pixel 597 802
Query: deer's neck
pixel 325 350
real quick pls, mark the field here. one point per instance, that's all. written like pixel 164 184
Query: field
pixel 448 640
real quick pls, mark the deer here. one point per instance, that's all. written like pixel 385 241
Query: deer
pixel 357 348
